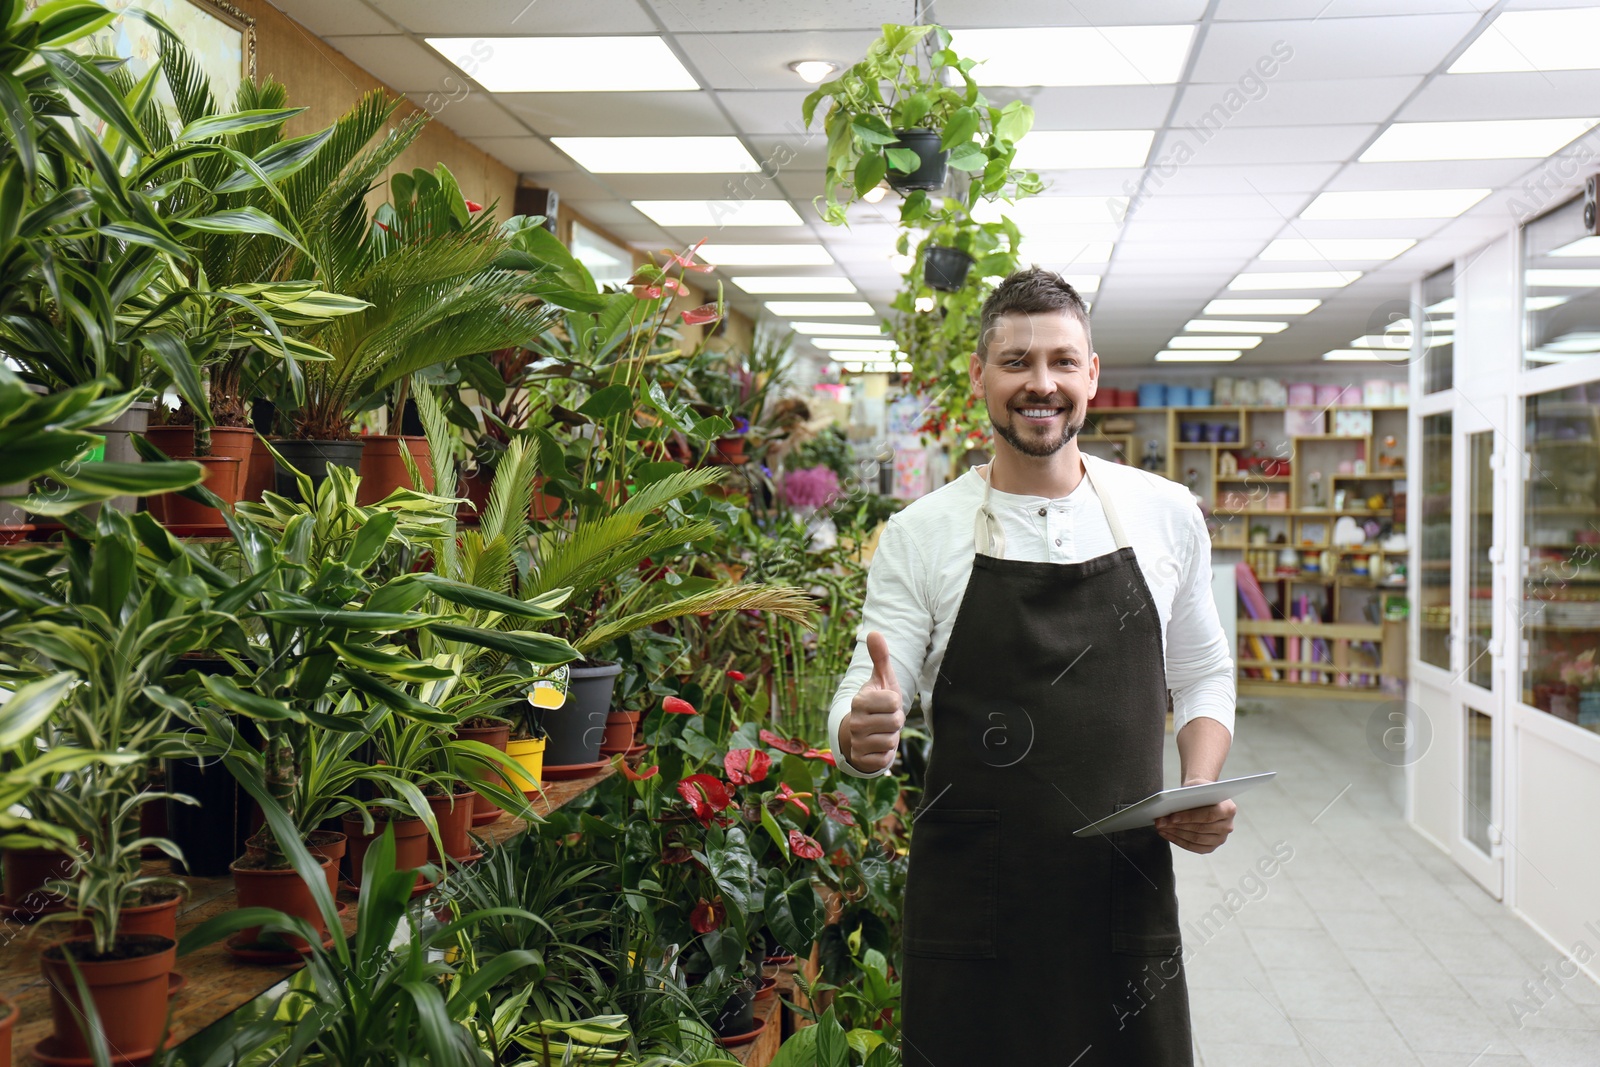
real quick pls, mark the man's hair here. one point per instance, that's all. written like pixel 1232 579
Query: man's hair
pixel 1027 291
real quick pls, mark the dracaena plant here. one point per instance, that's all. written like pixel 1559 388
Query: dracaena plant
pixel 893 88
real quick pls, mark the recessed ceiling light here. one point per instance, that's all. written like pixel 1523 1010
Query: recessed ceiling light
pixel 1185 356
pixel 1544 303
pixel 785 309
pixel 1055 210
pixel 1047 250
pixel 731 255
pixel 1353 355
pixel 1099 55
pixel 856 344
pixel 567 64
pixel 1232 326
pixel 659 155
pixel 719 212
pixel 1226 341
pixel 1294 279
pixel 1334 249
pixel 775 284
pixel 1561 279
pixel 1583 247
pixel 1287 306
pixel 1083 149
pixel 1394 204
pixel 1411 142
pixel 813 70
pixel 858 328
pixel 1534 40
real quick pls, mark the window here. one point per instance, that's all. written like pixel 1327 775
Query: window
pixel 1480 567
pixel 1561 529
pixel 609 262
pixel 1434 553
pixel 1561 287
pixel 1480 780
pixel 1439 330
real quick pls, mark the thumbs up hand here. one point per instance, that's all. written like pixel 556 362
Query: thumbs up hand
pixel 872 731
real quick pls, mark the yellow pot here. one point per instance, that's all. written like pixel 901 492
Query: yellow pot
pixel 529 755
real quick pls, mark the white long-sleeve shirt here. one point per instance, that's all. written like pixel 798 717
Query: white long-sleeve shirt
pixel 924 560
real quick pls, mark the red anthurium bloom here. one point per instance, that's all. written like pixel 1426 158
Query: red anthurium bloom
pixel 676 854
pixel 836 806
pixel 782 744
pixel 701 315
pixel 804 846
pixel 817 753
pixel 737 676
pixel 686 261
pixel 840 858
pixel 707 916
pixel 706 796
pixel 786 795
pixel 383 226
pixel 678 706
pixel 473 208
pixel 639 776
pixel 746 766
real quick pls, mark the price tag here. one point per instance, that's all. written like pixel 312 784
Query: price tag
pixel 550 691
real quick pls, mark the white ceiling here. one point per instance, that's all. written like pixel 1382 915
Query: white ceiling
pixel 1357 66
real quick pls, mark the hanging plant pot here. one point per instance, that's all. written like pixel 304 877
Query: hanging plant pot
pixel 497 736
pixel 129 993
pixel 185 517
pixel 945 269
pixel 577 728
pixel 930 174
pixel 383 465
pixel 313 458
pixel 528 754
pixel 454 816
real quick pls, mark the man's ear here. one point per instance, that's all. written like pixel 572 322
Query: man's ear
pixel 1094 373
pixel 975 375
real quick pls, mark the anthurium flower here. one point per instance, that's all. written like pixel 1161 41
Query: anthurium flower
pixel 746 766
pixel 707 916
pixel 821 754
pixel 639 776
pixel 686 261
pixel 676 854
pixel 786 795
pixel 737 676
pixel 836 806
pixel 793 746
pixel 678 706
pixel 804 846
pixel 705 795
pixel 840 858
pixel 701 315
pixel 473 207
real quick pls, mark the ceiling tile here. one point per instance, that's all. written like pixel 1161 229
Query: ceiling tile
pixel 1296 103
pixel 1430 174
pixel 323 18
pixel 1099 181
pixel 1332 49
pixel 618 114
pixel 573 185
pixel 1199 179
pixel 1145 228
pixel 777 154
pixel 1100 107
pixel 473 116
pixel 1172 208
pixel 1551 94
pixel 986 13
pixel 1238 10
pixel 523 154
pixel 520 17
pixel 606 212
pixel 1312 228
pixel 761 60
pixel 771 112
pixel 1263 144
pixel 404 65
pixel 1165 251
pixel 724 16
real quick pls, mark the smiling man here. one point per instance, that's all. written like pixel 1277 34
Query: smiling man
pixel 1046 606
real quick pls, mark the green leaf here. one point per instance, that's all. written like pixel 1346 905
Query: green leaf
pixel 484 599
pixel 402 668
pixel 913 109
pixel 968 157
pixel 870 171
pixel 64 22
pixel 398 699
pixel 238 122
pixel 1016 119
pixel 96 93
pixel 246 702
pixel 608 403
pixel 959 130
pixel 242 220
pixel 541 649
pixel 774 831
pixel 370 541
pixel 873 130
pixel 17 120
pixel 30 706
pixel 277 162
pixel 903 160
pixel 138 234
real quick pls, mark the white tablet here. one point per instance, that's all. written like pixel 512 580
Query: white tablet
pixel 1168 801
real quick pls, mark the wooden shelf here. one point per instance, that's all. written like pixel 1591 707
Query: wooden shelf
pixel 1333 631
pixel 1257 687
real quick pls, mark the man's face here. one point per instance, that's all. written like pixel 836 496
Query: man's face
pixel 1037 379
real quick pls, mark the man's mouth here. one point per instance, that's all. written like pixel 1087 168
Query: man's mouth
pixel 1039 414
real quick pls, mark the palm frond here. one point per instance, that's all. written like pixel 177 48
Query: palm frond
pixel 652 497
pixel 511 493
pixel 789 602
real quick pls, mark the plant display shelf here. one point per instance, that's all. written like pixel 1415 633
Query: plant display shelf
pixel 1335 676
pixel 217 983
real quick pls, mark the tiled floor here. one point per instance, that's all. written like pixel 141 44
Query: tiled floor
pixel 1366 947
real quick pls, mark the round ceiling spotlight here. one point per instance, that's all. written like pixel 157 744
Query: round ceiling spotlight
pixel 813 70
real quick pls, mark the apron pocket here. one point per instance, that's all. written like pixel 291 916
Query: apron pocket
pixel 1144 903
pixel 950 885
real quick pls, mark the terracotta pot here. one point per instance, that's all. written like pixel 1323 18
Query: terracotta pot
pixel 475 488
pixel 176 442
pixel 410 844
pixel 8 1020
pixel 239 442
pixel 222 478
pixel 542 506
pixel 529 755
pixel 422 456
pixel 328 845
pixel 484 810
pixel 620 729
pixel 261 478
pixel 282 889
pixel 454 816
pixel 27 870
pixel 130 996
pixel 156 920
pixel 383 469
pixel 728 451
pixel 768 988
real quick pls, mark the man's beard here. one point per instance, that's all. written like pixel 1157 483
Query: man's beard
pixel 1028 443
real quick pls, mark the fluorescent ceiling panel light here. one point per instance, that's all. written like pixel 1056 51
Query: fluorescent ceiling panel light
pixel 825 308
pixel 856 344
pixel 1586 247
pixel 1573 342
pixel 775 284
pixel 1562 279
pixel 1544 303
pixel 1399 342
pixel 1294 279
pixel 1286 306
pixel 1083 149
pixel 1353 355
pixel 1226 341
pixel 1215 356
pixel 1076 55
pixel 1534 41
pixel 880 367
pixel 719 212
pixel 1083 283
pixel 1045 250
pixel 1413 142
pixel 1394 204
pixel 1447 306
pixel 846 356
pixel 853 368
pixel 1055 210
pixel 1232 326
pixel 659 155
pixel 567 64
pixel 730 255
pixel 902 264
pixel 861 329
pixel 1335 249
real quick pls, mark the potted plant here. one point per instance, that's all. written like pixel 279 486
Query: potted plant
pixel 893 116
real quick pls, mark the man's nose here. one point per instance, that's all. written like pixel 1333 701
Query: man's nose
pixel 1040 382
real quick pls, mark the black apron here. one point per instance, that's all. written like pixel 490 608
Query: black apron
pixel 1024 944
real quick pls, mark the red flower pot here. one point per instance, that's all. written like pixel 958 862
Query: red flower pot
pixel 222 478
pixel 261 477
pixel 728 451
pixel 155 920
pixel 129 994
pixel 328 845
pixel 280 888
pixel 484 810
pixel 454 816
pixel 238 442
pixel 175 441
pixel 542 506
pixel 410 844
pixel 383 469
pixel 620 729
pixel 26 872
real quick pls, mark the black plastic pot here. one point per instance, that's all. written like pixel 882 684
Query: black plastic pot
pixel 212 833
pixel 313 458
pixel 945 269
pixel 577 729
pixel 930 174
pixel 738 1015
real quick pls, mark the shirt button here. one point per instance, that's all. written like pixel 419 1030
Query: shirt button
pixel 1041 511
pixel 1058 542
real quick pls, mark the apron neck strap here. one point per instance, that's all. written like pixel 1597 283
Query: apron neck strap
pixel 989 539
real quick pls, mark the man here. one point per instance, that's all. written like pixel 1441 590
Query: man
pixel 1045 605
